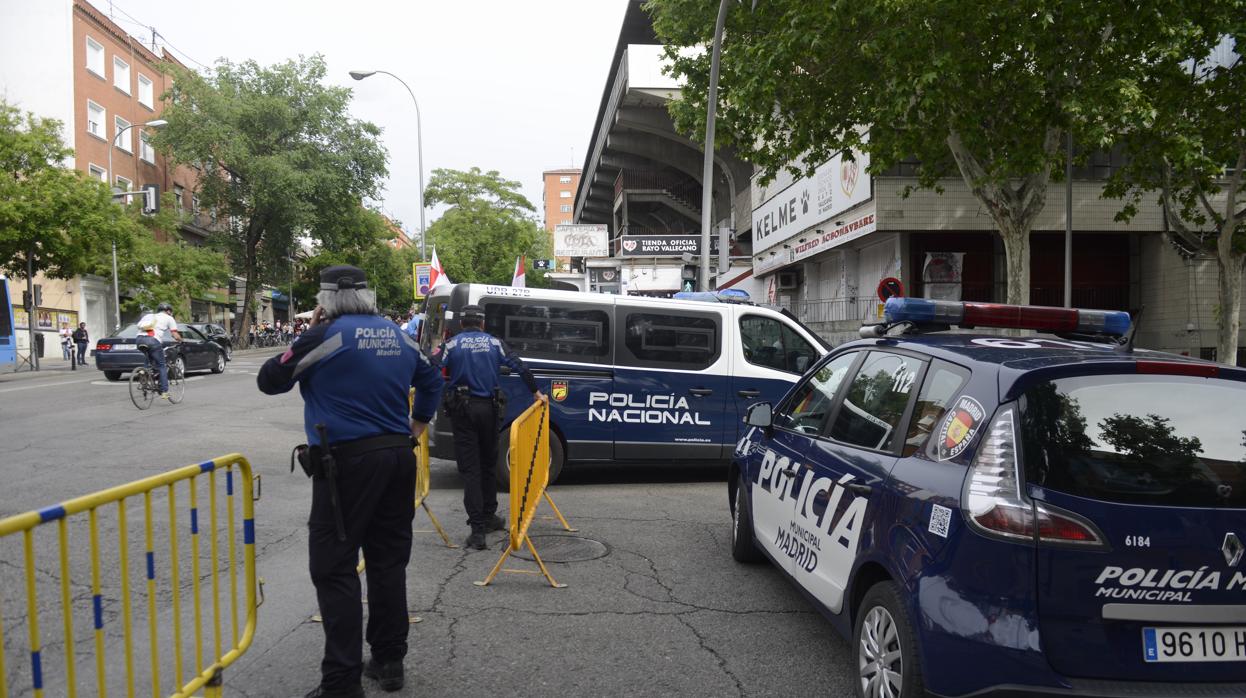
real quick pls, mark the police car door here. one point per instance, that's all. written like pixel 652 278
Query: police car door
pixel 779 485
pixel 670 383
pixel 768 358
pixel 851 469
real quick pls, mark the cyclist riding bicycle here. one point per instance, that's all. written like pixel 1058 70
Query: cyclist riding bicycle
pixel 154 330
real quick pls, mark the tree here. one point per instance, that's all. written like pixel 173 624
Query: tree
pixel 172 271
pixel 280 156
pixel 489 224
pixel 1193 155
pixel 388 269
pixel 54 219
pixel 984 90
pixel 1151 440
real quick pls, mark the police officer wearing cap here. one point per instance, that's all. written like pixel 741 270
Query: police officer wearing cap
pixel 354 369
pixel 473 359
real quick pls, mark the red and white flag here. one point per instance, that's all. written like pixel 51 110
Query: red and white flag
pixel 437 275
pixel 517 279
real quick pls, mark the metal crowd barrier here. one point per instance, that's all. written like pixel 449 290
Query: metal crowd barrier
pixel 206 676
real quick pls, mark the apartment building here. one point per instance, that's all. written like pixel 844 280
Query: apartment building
pixel 67 60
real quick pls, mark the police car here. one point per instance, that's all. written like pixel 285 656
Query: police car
pixel 631 378
pixel 1051 514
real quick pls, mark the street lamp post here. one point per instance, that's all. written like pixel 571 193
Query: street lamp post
pixel 116 289
pixel 419 136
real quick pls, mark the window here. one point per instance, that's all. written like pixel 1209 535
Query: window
pixel 768 342
pixel 565 208
pixel 810 405
pixel 126 143
pixel 124 184
pixel 943 382
pixel 564 194
pixel 121 74
pixel 95 120
pixel 1154 440
pixel 564 331
pixel 145 151
pixel 565 179
pixel 97 172
pixel 146 91
pixel 672 341
pixel 194 204
pixel 179 195
pixel 95 57
pixel 876 400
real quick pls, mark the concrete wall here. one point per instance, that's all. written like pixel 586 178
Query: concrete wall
pixel 1180 297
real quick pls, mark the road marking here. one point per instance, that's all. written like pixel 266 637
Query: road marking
pixel 43 385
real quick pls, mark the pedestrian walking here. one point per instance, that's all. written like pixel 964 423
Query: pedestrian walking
pixel 67 341
pixel 354 370
pixel 81 340
pixel 476 404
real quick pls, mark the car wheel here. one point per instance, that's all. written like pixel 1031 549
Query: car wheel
pixel 229 352
pixel 557 459
pixel 218 366
pixel 887 662
pixel 743 546
pixel 113 376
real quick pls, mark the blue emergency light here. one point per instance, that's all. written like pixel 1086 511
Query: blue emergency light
pixel 1025 317
pixel 726 295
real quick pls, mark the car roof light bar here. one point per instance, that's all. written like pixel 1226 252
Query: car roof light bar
pixel 1027 317
pixel 726 295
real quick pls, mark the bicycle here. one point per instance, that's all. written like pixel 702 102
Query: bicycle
pixel 145 381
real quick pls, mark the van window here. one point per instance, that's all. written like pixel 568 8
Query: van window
pixel 1131 439
pixel 561 331
pixel 672 341
pixel 876 400
pixel 808 408
pixel 768 342
pixel 433 328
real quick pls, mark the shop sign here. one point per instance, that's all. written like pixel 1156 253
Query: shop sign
pixel 663 245
pixel 814 243
pixel 836 186
pixel 581 240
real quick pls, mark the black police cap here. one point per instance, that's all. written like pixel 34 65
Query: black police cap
pixel 342 277
pixel 472 312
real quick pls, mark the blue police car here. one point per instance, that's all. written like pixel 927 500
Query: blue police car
pixel 1055 514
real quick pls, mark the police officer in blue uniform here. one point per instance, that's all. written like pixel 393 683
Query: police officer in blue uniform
pixel 472 360
pixel 354 369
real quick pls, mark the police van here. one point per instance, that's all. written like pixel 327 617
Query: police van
pixel 628 377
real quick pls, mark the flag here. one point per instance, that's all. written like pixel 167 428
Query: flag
pixel 437 274
pixel 517 279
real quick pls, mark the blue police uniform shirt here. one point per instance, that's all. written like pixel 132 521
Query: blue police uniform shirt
pixel 473 357
pixel 354 373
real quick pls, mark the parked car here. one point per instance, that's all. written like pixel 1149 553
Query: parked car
pixel 217 334
pixel 119 354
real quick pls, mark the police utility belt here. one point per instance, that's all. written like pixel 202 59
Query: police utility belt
pixel 311 457
pixel 458 397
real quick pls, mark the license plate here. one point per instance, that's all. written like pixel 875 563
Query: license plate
pixel 1220 644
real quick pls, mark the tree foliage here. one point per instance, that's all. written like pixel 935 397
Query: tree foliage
pixel 1191 156
pixel 982 90
pixel 55 216
pixel 172 271
pixel 388 269
pixel 489 224
pixel 281 158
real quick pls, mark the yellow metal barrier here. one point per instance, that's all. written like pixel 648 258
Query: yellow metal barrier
pixel 529 470
pixel 207 677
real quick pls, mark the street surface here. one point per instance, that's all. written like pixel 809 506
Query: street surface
pixel 664 611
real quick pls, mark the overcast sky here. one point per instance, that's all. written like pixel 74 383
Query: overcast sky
pixel 510 85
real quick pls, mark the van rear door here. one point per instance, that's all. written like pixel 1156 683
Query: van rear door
pixel 769 356
pixel 1156 462
pixel 671 383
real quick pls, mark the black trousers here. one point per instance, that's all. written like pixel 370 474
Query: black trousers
pixel 377 495
pixel 476 450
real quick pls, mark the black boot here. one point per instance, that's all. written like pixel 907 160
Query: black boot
pixel 388 674
pixel 496 523
pixel 355 691
pixel 477 539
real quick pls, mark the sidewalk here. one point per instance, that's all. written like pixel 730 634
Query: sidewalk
pixel 56 367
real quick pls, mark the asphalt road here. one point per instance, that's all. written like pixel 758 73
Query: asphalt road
pixel 662 610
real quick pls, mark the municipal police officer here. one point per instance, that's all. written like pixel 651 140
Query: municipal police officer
pixel 472 359
pixel 354 369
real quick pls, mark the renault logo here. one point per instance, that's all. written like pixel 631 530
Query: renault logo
pixel 1232 549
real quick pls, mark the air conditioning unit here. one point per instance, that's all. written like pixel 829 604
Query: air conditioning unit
pixel 789 280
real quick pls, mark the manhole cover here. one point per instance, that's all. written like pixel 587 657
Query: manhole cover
pixel 565 549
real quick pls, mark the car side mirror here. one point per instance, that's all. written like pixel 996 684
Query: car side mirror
pixel 760 414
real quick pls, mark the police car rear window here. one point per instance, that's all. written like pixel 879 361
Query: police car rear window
pixel 1162 440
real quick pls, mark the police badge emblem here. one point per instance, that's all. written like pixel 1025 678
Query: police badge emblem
pixel 558 390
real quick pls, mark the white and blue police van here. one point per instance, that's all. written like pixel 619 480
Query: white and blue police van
pixel 631 378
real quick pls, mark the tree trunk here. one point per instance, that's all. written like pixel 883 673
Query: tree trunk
pixel 248 293
pixel 1230 287
pixel 1016 236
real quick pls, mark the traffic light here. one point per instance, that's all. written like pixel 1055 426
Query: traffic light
pixel 151 198
pixel 26 300
pixel 38 295
pixel 689 277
